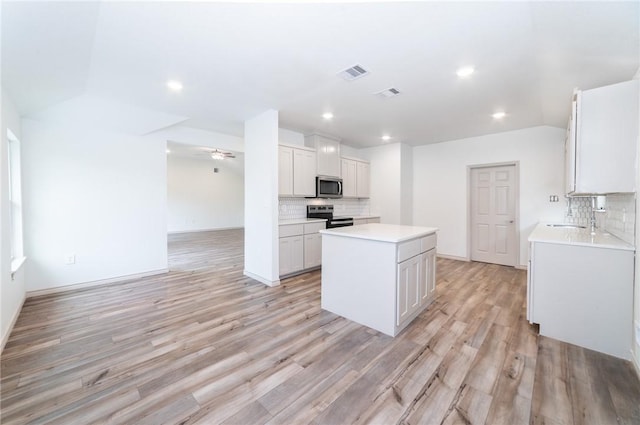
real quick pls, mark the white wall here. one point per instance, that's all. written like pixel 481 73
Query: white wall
pixel 440 182
pixel 261 256
pixel 200 199
pixel 92 193
pixel 12 292
pixel 391 182
pixel 290 137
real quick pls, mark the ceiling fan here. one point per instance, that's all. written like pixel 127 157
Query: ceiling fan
pixel 218 154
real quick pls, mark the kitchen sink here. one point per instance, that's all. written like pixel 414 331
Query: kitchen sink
pixel 570 226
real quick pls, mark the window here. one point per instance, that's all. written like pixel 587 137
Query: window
pixel 15 201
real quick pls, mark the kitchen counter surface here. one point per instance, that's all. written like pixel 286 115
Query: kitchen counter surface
pixel 300 221
pixel 393 233
pixel 581 237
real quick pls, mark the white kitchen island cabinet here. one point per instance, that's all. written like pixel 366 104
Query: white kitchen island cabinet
pixel 379 275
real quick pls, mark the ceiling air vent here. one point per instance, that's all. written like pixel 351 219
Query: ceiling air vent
pixel 350 74
pixel 390 92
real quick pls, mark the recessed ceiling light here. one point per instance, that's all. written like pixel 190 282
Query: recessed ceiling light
pixel 465 71
pixel 174 85
pixel 499 115
pixel 168 150
pixel 386 137
pixel 327 115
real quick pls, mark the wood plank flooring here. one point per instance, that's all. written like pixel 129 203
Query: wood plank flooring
pixel 205 345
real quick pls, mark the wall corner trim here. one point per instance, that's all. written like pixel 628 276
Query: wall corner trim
pixel 261 279
pixel 5 337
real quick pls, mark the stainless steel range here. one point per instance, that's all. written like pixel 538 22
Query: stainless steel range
pixel 326 211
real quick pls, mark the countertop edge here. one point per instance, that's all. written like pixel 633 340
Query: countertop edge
pixel 300 221
pixel 535 236
pixel 425 231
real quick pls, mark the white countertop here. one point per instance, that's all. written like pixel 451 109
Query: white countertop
pixel 300 221
pixel 581 237
pixel 381 232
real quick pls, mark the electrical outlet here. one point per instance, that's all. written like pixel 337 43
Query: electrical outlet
pixel 553 198
pixel 70 259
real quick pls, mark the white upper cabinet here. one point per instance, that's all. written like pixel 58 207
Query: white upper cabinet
pixel 304 172
pixel 348 174
pixel 602 139
pixel 285 171
pixel 328 154
pixel 362 180
pixel 296 171
pixel 355 178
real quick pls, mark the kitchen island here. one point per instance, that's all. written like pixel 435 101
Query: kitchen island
pixel 379 275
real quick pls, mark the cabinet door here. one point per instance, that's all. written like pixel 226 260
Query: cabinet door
pixel 407 289
pixel 291 254
pixel 607 138
pixel 285 171
pixel 304 172
pixel 312 250
pixel 328 159
pixel 570 153
pixel 348 173
pixel 428 278
pixel 362 180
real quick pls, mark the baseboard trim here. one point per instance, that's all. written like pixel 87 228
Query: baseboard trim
pixel 452 257
pixel 261 279
pixel 84 285
pixel 636 365
pixel 520 267
pixel 179 232
pixel 5 337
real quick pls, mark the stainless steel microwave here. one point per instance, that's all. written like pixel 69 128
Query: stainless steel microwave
pixel 328 187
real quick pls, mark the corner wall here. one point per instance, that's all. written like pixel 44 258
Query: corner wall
pixel 440 182
pixel 391 182
pixel 261 254
pixel 12 292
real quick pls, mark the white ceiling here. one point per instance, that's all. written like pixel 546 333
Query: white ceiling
pixel 236 60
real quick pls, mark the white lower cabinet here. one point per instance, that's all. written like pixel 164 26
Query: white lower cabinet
pixel 416 282
pixel 300 247
pixel 408 288
pixel 291 254
pixel 582 295
pixel 312 250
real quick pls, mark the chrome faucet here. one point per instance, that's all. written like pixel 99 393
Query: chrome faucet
pixel 593 215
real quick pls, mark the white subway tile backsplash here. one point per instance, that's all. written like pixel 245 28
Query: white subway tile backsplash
pixel 292 208
pixel 621 216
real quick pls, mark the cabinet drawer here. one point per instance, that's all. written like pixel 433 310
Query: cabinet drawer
pixel 314 227
pixel 408 249
pixel 291 230
pixel 428 242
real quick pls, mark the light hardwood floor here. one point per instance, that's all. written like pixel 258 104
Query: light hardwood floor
pixel 204 344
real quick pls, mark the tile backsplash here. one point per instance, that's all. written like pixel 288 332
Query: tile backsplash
pixel 620 217
pixel 291 208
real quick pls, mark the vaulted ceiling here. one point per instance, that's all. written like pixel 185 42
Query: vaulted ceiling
pixel 238 59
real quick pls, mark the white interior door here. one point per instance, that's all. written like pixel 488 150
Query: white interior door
pixel 493 215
